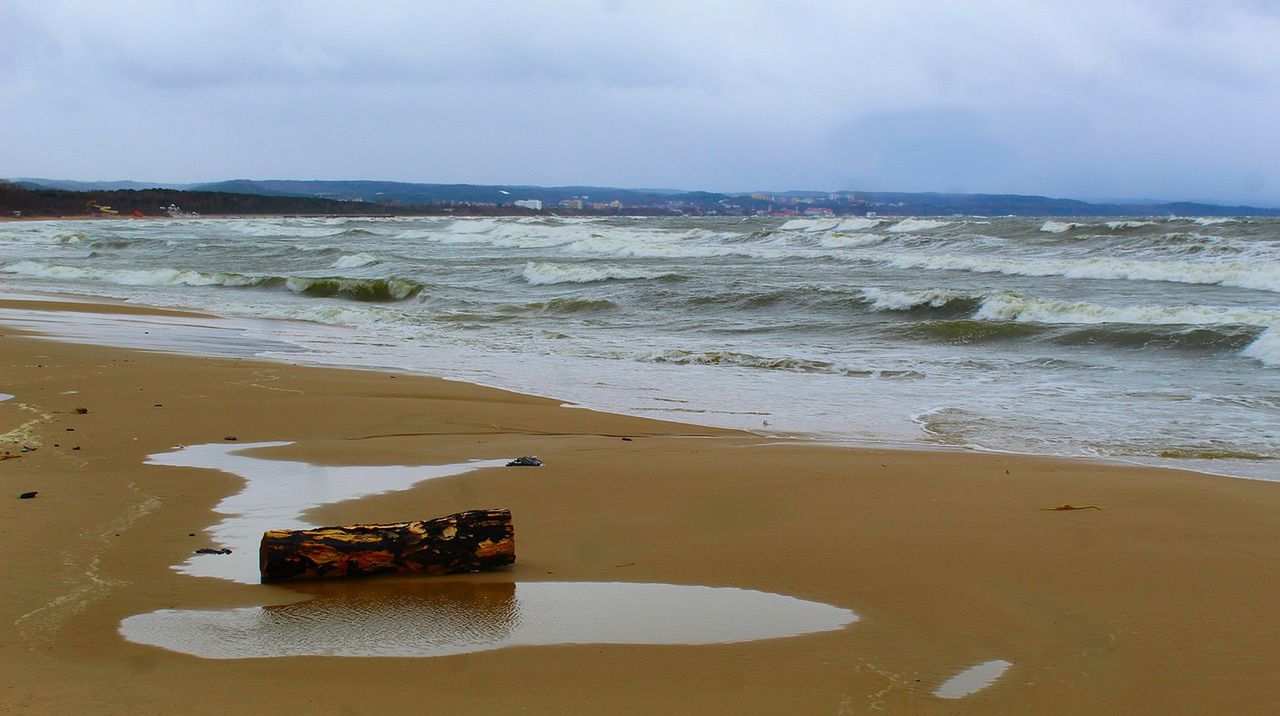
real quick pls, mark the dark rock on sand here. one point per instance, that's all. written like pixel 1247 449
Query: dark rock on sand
pixel 526 461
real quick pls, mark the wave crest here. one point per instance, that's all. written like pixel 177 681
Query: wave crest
pixel 355 261
pixel 1059 227
pixel 546 274
pixel 907 225
pixel 357 289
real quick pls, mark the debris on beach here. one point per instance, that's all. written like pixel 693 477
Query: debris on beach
pixel 81 411
pixel 27 495
pixel 207 550
pixel 9 456
pixel 1065 506
pixel 231 438
pixel 464 542
pixel 526 461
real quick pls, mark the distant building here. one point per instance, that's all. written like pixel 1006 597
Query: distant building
pixel 818 211
pixel 535 204
pixel 762 197
pixel 577 204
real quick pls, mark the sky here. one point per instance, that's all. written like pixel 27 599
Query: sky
pixel 1110 99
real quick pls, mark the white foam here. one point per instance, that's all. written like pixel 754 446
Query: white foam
pixel 972 679
pixel 810 225
pixel 355 261
pixel 857 223
pixel 1256 275
pixel 542 274
pixel 1266 348
pixel 128 277
pixel 844 241
pixel 1120 225
pixel 916 225
pixel 1005 306
pixel 886 300
pixel 1058 227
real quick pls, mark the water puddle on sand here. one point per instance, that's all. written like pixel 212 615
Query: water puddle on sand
pixel 972 679
pixel 431 617
pixel 443 618
pixel 277 493
pixel 5 396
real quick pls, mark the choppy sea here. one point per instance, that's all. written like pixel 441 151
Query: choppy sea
pixel 1153 340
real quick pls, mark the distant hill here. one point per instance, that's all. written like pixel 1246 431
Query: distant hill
pixel 16 198
pixel 72 185
pixel 390 192
pixel 396 197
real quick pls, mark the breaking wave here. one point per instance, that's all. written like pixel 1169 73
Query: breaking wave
pixel 810 225
pixel 957 302
pixel 1058 227
pixel 1006 306
pixel 1257 276
pixel 972 318
pixel 378 290
pixel 1266 349
pixel 916 225
pixel 843 241
pixel 355 261
pixel 356 289
pixel 543 274
pixel 856 223
pixel 563 306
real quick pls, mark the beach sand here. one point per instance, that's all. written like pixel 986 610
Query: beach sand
pixel 1164 601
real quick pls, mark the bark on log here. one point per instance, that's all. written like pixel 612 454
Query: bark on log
pixel 466 542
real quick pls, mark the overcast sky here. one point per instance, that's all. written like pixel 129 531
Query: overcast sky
pixel 1167 99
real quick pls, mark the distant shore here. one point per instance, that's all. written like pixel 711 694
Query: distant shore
pixel 1160 601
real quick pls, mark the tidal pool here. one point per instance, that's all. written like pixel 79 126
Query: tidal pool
pixel 431 617
pixel 441 618
pixel 972 679
pixel 277 493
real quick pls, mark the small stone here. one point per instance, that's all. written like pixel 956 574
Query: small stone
pixel 27 495
pixel 231 438
pixel 526 461
pixel 76 447
pixel 626 440
pixel 81 411
pixel 206 550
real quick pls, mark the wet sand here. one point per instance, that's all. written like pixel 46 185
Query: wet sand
pixel 1161 602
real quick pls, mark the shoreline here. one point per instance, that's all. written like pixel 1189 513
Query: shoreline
pixel 91 303
pixel 950 559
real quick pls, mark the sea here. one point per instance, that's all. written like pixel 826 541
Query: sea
pixel 1153 340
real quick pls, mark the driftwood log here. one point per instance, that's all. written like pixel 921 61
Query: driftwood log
pixel 466 542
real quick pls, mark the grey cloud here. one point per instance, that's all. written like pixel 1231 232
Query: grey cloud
pixel 1144 98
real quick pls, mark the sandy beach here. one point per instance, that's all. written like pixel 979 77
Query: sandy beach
pixel 1162 601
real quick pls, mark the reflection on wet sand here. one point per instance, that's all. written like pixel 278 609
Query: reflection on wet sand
pixel 442 618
